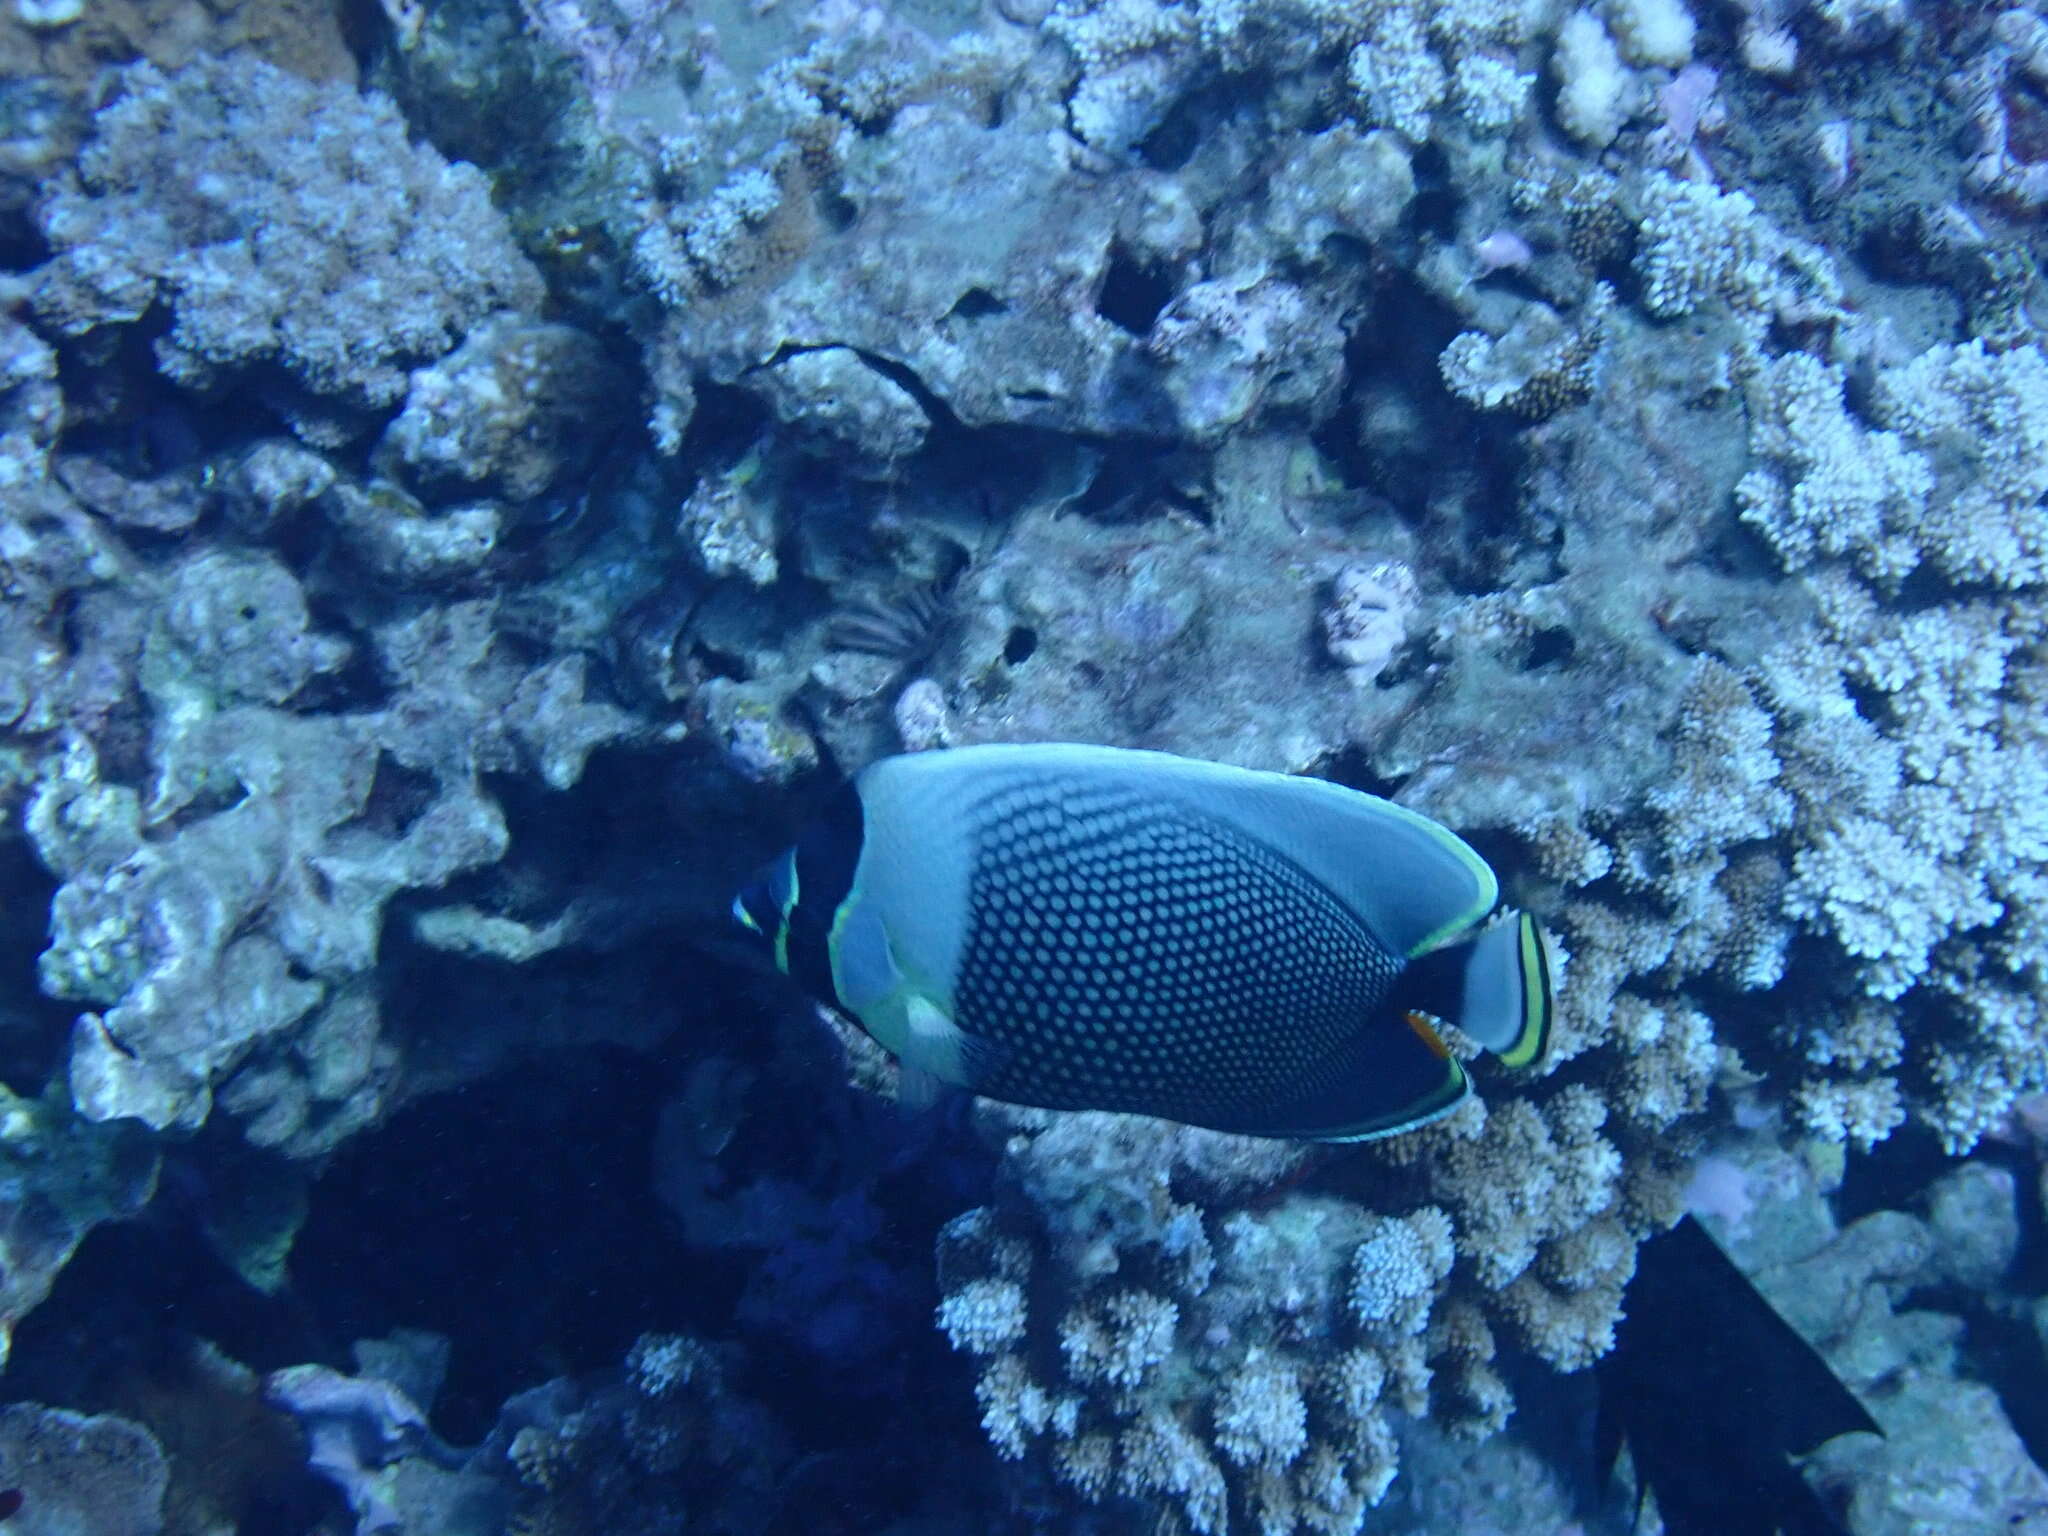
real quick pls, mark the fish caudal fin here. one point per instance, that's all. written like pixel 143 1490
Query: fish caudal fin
pixel 1507 1002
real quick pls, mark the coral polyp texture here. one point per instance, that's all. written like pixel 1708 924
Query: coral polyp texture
pixel 291 224
pixel 472 478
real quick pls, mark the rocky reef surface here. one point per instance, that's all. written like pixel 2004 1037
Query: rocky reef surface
pixel 472 472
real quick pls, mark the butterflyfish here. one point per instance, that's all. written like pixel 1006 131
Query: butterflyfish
pixel 1082 927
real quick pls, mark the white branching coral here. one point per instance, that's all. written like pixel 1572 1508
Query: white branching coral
pixel 1651 32
pixel 1668 1063
pixel 1521 1176
pixel 1489 92
pixel 1823 485
pixel 1909 734
pixel 1984 416
pixel 1698 242
pixel 1135 56
pixel 1398 80
pixel 1396 1271
pixel 1261 1416
pixel 1722 788
pixel 1118 1340
pixel 1862 1112
pixel 983 1317
pixel 1245 1390
pixel 1015 1409
pixel 1595 92
pixel 1160 1455
pixel 1540 364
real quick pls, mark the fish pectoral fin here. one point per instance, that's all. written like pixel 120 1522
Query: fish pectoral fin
pixel 864 961
pixel 940 1047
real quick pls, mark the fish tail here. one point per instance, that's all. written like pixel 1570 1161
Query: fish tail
pixel 1494 985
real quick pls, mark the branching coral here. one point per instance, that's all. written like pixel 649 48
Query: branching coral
pixel 1910 733
pixel 1149 1327
pixel 1700 243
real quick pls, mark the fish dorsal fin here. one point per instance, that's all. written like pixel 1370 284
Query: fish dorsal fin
pixel 1415 884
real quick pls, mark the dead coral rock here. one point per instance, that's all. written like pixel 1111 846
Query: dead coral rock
pixel 509 411
pixel 31 405
pixel 60 1176
pixel 1236 350
pixel 235 627
pixel 168 504
pixel 844 407
pixel 77 1473
pixel 974 261
pixel 401 539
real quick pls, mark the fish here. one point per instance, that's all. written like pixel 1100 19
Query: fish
pixel 1761 1396
pixel 1085 927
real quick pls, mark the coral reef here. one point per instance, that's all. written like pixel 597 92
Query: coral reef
pixel 1950 1458
pixel 1619 431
